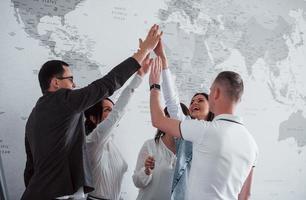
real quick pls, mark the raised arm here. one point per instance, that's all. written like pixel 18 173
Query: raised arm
pixel 159 120
pixel 81 99
pixel 168 87
pixel 104 129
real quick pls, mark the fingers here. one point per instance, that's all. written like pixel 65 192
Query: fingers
pixel 140 41
pixel 154 32
pixel 160 35
pixel 152 38
pixel 152 29
pixel 147 59
pixel 160 64
pixel 147 171
pixel 156 69
pixel 151 61
pixel 157 66
pixel 150 162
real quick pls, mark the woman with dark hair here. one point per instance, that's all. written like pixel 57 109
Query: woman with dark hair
pixel 198 108
pixel 155 165
pixel 107 164
pixel 97 113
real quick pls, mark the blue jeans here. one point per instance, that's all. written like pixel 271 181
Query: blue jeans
pixel 182 168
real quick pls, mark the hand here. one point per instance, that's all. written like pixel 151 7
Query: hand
pixel 151 40
pixel 155 71
pixel 145 66
pixel 149 164
pixel 146 46
pixel 160 51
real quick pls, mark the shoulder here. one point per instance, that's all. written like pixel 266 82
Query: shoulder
pixel 149 142
pixel 194 124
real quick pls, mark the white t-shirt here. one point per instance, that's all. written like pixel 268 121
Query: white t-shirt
pixel 224 153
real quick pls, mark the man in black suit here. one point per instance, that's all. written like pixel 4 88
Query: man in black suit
pixel 57 164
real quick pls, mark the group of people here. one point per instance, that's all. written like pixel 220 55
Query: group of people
pixel 200 152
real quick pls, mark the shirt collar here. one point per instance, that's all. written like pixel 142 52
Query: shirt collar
pixel 229 117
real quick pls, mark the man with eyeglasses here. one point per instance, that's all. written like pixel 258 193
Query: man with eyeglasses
pixel 57 164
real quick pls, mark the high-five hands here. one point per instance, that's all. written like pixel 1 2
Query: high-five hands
pixel 152 39
pixel 155 71
pixel 149 44
pixel 160 51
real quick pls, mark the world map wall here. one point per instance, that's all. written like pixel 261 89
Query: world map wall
pixel 262 40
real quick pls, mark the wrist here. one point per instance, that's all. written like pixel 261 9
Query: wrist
pixel 140 55
pixel 164 62
pixel 141 74
pixel 144 50
pixel 154 86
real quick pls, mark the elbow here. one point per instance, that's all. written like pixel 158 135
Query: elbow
pixel 245 196
pixel 137 182
pixel 154 123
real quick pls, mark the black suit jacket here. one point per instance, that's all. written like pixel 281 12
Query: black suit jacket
pixel 57 162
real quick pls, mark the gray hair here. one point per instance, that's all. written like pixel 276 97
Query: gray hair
pixel 232 84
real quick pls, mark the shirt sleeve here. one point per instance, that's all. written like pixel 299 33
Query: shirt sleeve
pixel 193 130
pixel 256 156
pixel 29 169
pixel 171 97
pixel 140 178
pixel 104 129
pixel 80 99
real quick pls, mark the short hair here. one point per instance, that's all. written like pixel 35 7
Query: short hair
pixel 49 70
pixel 232 84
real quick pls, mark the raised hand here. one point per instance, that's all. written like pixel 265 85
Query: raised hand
pixel 152 39
pixel 146 46
pixel 149 164
pixel 160 51
pixel 155 71
pixel 145 66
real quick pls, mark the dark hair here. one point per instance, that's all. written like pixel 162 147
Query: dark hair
pixel 210 115
pixel 95 111
pixel 160 133
pixel 49 70
pixel 232 84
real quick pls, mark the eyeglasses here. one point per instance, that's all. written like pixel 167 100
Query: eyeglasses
pixel 67 77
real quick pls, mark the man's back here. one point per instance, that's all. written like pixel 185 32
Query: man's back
pixel 56 136
pixel 223 155
pixel 57 163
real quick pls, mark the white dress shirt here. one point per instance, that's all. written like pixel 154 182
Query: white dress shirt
pixel 108 165
pixel 171 97
pixel 78 195
pixel 157 185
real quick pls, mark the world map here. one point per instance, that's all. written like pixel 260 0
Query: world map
pixel 262 40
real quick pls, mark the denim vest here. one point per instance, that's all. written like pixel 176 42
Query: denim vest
pixel 182 168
